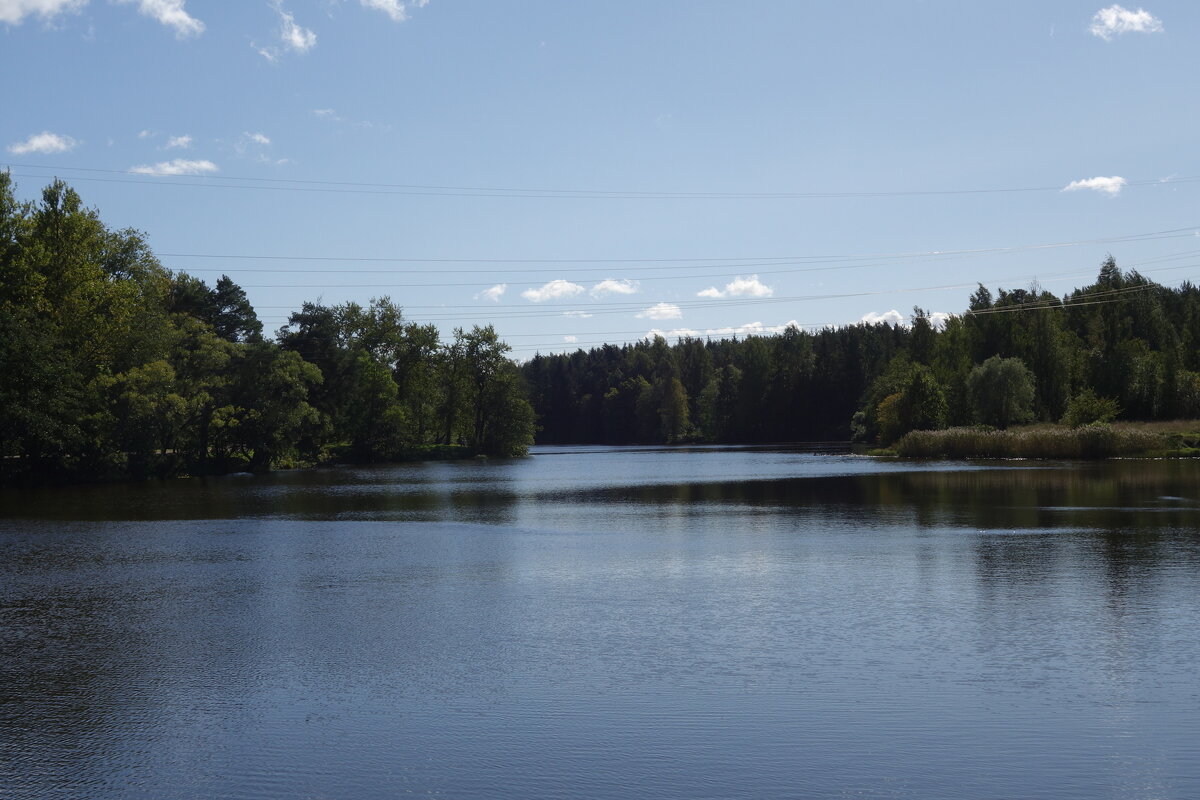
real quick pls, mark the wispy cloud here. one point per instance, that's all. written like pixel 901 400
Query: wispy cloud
pixel 396 9
pixel 661 311
pixel 255 145
pixel 739 287
pixel 494 294
pixel 14 12
pixel 1117 20
pixel 180 142
pixel 44 142
pixel 170 13
pixel 578 314
pixel 293 37
pixel 178 166
pixel 571 339
pixel 1110 186
pixel 611 286
pixel 554 290
pixel 326 113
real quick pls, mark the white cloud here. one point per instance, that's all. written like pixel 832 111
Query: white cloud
pixel 1110 186
pixel 661 311
pixel 327 113
pixel 739 287
pixel 494 294
pixel 44 142
pixel 172 14
pixel 937 319
pixel 611 286
pixel 1116 20
pixel 586 315
pixel 179 166
pixel 14 11
pixel 753 329
pixel 674 333
pixel 182 142
pixel 396 9
pixel 892 317
pixel 571 339
pixel 749 329
pixel 293 36
pixel 253 143
pixel 554 290
pixel 145 134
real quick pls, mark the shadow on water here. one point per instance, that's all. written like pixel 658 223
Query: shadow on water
pixel 710 623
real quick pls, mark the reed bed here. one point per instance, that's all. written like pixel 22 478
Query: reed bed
pixel 1086 442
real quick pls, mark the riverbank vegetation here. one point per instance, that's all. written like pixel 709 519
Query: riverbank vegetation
pixel 112 366
pixel 1122 348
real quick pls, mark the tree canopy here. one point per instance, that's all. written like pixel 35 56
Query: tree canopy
pixel 1011 356
pixel 113 366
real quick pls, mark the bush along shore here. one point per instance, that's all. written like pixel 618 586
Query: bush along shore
pixel 1094 441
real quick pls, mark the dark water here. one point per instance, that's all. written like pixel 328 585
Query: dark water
pixel 608 623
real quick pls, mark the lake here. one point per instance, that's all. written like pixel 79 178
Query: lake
pixel 608 623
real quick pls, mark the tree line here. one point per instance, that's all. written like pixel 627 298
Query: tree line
pixel 1123 347
pixel 113 366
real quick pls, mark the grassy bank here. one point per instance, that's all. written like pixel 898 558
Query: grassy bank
pixel 1178 439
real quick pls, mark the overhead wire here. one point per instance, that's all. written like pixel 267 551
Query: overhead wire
pixel 146 177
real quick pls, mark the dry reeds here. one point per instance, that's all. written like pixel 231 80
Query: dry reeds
pixel 1086 442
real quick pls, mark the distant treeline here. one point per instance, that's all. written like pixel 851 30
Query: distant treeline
pixel 1123 347
pixel 113 366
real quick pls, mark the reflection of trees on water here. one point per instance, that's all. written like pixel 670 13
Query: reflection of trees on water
pixel 1133 495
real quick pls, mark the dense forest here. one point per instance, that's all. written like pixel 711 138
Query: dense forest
pixel 112 366
pixel 1123 347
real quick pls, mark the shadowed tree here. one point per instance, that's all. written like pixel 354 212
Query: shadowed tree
pixel 1001 391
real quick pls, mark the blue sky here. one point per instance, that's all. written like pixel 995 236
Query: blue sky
pixel 619 167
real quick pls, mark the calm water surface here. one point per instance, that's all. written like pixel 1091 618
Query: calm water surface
pixel 608 623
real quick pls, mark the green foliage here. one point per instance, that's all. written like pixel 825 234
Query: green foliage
pixel 111 366
pixel 1012 356
pixel 1001 392
pixel 1087 408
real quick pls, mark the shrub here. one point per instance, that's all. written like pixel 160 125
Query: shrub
pixel 1087 408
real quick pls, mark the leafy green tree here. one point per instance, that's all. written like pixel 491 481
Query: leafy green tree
pixel 673 414
pixel 512 424
pixel 272 391
pixel 920 404
pixel 1001 391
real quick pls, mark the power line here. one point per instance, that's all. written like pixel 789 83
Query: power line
pixel 1171 233
pixel 626 307
pixel 355 187
pixel 607 307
